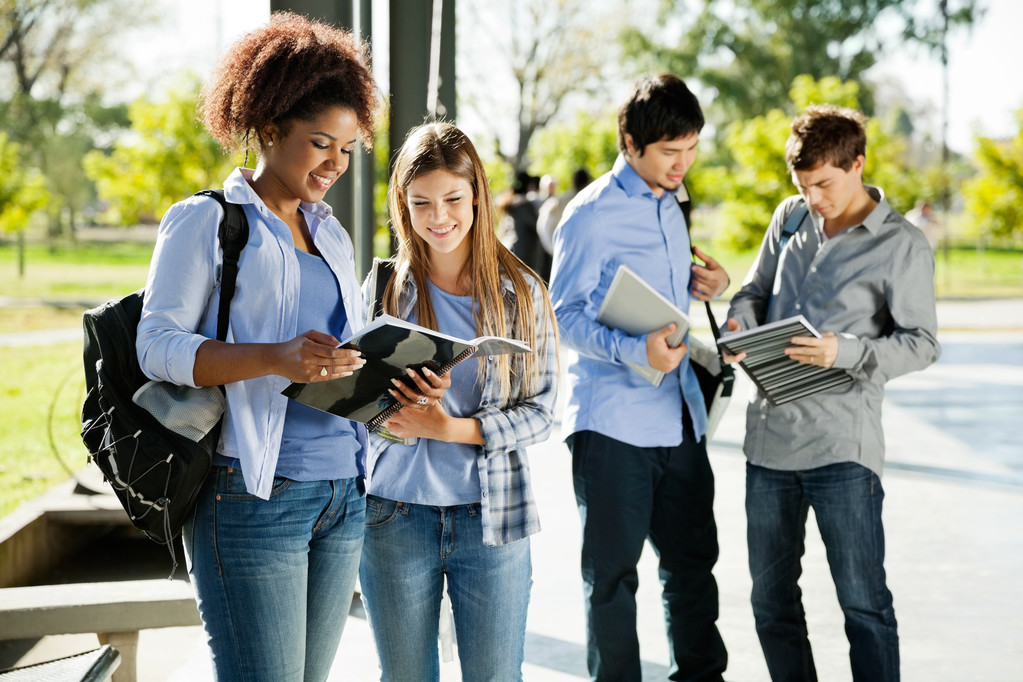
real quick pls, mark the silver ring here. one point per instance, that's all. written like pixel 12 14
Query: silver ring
pixel 423 400
pixel 323 371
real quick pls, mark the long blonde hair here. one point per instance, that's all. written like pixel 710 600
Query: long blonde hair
pixel 442 146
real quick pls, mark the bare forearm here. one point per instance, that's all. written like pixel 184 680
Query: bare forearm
pixel 217 362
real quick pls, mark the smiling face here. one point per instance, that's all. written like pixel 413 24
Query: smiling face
pixel 304 162
pixel 440 206
pixel 834 193
pixel 663 164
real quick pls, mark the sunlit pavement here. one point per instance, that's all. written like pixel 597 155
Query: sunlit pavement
pixel 954 502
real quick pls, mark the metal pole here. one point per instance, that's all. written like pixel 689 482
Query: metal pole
pixel 946 188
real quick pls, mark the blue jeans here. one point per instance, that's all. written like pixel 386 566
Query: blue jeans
pixel 409 549
pixel 846 500
pixel 274 578
pixel 627 494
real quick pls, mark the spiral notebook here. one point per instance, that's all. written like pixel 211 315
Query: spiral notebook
pixel 391 346
pixel 780 378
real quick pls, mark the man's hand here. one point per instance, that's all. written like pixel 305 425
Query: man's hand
pixel 659 354
pixel 732 326
pixel 811 351
pixel 708 280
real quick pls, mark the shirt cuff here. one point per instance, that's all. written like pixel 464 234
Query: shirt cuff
pixel 848 351
pixel 634 351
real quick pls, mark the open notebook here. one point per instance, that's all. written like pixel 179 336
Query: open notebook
pixel 390 346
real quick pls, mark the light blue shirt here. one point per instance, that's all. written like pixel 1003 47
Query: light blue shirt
pixel 181 302
pixel 619 220
pixel 312 438
pixel 435 472
pixel 508 423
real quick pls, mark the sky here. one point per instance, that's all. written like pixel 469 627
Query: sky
pixel 985 88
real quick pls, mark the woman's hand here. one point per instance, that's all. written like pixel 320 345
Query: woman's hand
pixel 314 356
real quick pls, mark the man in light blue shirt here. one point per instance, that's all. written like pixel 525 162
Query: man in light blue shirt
pixel 639 455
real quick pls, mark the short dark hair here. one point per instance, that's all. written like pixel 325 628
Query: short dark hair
pixel 824 133
pixel 660 107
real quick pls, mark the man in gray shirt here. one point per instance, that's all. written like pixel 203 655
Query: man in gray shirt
pixel 864 276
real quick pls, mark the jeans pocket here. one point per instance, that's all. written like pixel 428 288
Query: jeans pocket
pixel 380 511
pixel 231 486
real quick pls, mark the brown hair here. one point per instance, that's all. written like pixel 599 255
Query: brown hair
pixel 442 146
pixel 824 133
pixel 291 69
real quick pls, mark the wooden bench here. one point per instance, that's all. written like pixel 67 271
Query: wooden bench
pixel 116 611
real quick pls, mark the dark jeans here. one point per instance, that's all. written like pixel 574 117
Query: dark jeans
pixel 627 494
pixel 846 500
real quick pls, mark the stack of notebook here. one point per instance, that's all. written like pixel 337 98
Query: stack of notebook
pixel 780 378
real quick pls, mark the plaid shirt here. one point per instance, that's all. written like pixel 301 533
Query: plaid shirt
pixel 506 496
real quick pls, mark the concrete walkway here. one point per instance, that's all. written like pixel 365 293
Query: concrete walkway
pixel 954 484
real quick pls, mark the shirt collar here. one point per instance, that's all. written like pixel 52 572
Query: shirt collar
pixel 875 219
pixel 237 190
pixel 629 180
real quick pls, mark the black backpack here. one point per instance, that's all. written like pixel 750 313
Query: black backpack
pixel 155 472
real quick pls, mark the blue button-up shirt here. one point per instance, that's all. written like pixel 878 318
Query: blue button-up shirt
pixel 182 300
pixel 619 220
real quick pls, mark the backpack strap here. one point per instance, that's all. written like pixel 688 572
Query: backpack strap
pixel 793 223
pixel 233 233
pixel 685 203
pixel 383 269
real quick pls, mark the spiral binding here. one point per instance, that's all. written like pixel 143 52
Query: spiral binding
pixel 377 422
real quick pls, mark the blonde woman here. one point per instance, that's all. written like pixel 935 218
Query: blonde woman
pixel 458 502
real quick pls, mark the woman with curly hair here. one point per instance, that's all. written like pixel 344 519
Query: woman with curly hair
pixel 458 502
pixel 274 544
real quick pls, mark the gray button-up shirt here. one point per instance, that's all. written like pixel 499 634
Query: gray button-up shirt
pixel 873 285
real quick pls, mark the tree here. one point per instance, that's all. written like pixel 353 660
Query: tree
pixel 52 54
pixel 749 51
pixel 22 193
pixel 589 141
pixel 994 198
pixel 531 57
pixel 755 178
pixel 167 157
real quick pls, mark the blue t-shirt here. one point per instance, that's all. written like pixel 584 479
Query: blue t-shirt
pixel 312 440
pixel 434 472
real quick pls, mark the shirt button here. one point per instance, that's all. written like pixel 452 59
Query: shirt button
pixel 799 307
pixel 763 417
pixel 813 268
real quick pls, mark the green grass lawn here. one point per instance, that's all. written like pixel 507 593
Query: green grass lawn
pixel 41 395
pixel 41 389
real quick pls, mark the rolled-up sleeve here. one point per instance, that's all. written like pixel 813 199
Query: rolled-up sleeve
pixel 183 277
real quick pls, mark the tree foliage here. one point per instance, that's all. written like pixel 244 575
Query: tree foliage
pixel 530 57
pixel 22 190
pixel 53 55
pixel 749 51
pixel 590 141
pixel 994 197
pixel 167 157
pixel 755 179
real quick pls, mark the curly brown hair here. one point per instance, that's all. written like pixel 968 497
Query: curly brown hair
pixel 291 69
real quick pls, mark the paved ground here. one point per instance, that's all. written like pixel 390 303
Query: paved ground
pixel 954 484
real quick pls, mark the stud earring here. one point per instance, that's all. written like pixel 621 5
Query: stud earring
pixel 270 143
